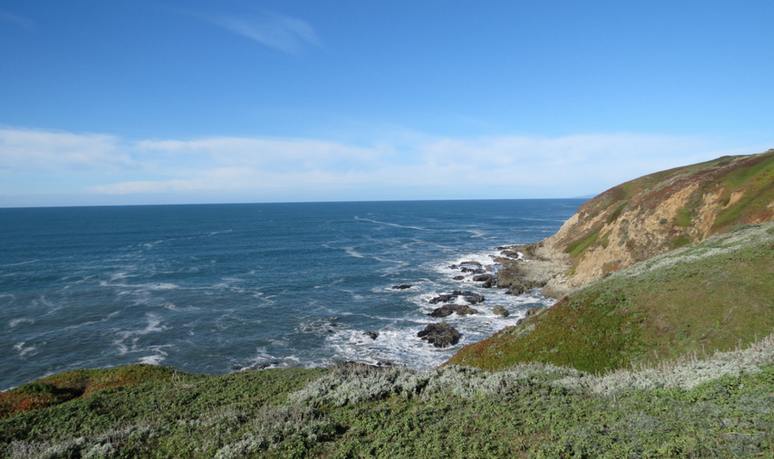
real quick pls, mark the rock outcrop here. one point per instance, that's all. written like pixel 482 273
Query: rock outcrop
pixel 449 309
pixel 440 335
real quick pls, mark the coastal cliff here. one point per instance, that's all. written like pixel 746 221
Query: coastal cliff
pixel 645 217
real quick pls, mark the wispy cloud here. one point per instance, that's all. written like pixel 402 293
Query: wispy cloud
pixel 271 169
pixel 25 149
pixel 15 19
pixel 283 33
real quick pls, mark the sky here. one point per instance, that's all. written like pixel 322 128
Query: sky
pixel 151 102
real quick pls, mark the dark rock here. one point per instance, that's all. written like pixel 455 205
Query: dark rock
pixel 516 290
pixel 482 277
pixel 371 334
pixel 401 286
pixel 470 297
pixel 473 270
pixel 487 279
pixel 473 298
pixel 449 309
pixel 440 335
pixel 443 311
pixel 443 298
pixel 454 266
pixel 458 278
pixel 500 311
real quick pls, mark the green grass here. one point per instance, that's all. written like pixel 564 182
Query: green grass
pixel 680 241
pixel 684 217
pixel 575 249
pixel 762 169
pixel 757 183
pixel 695 306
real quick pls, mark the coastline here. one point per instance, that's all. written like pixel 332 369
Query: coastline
pixel 520 271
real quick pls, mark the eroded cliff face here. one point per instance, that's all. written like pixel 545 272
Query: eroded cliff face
pixel 660 212
pixel 645 217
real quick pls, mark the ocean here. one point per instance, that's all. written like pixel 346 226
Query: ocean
pixel 219 288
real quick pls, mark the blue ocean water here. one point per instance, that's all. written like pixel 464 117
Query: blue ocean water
pixel 217 288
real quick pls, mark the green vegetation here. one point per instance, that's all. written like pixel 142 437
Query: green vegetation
pixel 358 411
pixel 156 413
pixel 576 248
pixel 756 182
pixel 684 217
pixel 715 295
pixel 680 241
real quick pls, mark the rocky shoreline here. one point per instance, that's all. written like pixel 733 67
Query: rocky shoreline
pixel 517 269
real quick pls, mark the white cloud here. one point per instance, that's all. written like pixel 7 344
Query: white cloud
pixel 41 149
pixel 276 31
pixel 271 169
pixel 266 152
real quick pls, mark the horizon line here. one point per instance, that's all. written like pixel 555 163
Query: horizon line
pixel 584 197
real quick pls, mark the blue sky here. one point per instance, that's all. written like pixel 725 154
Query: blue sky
pixel 116 102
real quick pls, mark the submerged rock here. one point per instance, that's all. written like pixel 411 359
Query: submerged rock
pixel 458 278
pixel 371 334
pixel 449 309
pixel 402 286
pixel 440 335
pixel 500 311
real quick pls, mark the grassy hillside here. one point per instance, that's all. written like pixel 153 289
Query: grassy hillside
pixel 659 212
pixel 718 408
pixel 715 295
